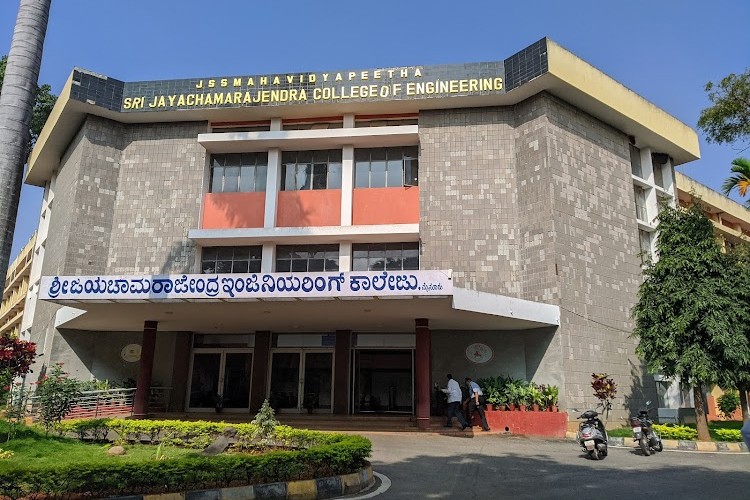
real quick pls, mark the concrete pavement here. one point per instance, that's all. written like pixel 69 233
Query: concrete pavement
pixel 464 466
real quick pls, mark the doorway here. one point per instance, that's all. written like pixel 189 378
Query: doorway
pixel 383 381
pixel 220 380
pixel 301 380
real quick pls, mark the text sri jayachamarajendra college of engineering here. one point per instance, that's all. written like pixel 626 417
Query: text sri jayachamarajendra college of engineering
pixel 361 232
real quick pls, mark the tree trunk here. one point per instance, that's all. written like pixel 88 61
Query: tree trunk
pixel 700 413
pixel 743 401
pixel 16 107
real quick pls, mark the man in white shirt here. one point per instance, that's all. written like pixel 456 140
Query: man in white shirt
pixel 454 403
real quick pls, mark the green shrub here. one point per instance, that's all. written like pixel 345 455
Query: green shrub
pixel 728 435
pixel 728 403
pixel 337 454
pixel 673 431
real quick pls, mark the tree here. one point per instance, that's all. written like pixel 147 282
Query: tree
pixel 16 107
pixel 728 120
pixel 43 103
pixel 689 314
pixel 739 376
pixel 740 180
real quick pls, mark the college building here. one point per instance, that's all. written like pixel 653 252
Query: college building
pixel 338 241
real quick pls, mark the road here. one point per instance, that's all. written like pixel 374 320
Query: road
pixel 498 466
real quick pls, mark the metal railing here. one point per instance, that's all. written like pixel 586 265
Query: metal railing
pixel 110 403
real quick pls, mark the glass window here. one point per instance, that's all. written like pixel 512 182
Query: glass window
pixel 311 170
pixel 659 175
pixel 386 167
pixel 385 256
pixel 246 172
pixel 220 260
pixel 640 203
pixel 307 258
pixel 635 161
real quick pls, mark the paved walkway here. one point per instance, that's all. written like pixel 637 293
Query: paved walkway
pixel 463 466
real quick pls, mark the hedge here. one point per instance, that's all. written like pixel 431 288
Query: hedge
pixel 672 431
pixel 728 435
pixel 335 454
pixel 196 435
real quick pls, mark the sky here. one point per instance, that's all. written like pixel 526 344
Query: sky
pixel 664 50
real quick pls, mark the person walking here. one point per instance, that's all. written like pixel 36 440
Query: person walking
pixel 476 402
pixel 453 390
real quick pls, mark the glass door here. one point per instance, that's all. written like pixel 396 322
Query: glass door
pixel 383 381
pixel 220 380
pixel 301 380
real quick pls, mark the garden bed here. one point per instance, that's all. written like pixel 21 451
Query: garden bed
pixel 53 466
pixel 726 431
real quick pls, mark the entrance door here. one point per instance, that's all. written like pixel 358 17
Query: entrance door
pixel 383 381
pixel 301 380
pixel 220 379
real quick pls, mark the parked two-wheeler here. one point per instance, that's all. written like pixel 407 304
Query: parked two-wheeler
pixel 592 436
pixel 643 432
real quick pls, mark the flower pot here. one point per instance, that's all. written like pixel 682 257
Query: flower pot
pixel 521 407
pixel 553 408
pixel 511 407
pixel 535 407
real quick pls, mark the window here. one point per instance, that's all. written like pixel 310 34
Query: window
pixel 239 172
pixel 645 242
pixel 385 256
pixel 307 258
pixel 386 167
pixel 386 123
pixel 635 161
pixel 640 203
pixel 659 175
pixel 221 260
pixel 311 170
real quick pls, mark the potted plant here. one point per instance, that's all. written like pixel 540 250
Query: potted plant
pixel 219 401
pixel 310 402
pixel 514 395
pixel 535 396
pixel 551 393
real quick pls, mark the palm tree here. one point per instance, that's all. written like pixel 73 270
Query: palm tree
pixel 739 181
pixel 16 106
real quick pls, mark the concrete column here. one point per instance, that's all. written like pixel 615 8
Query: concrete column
pixel 345 256
pixel 268 257
pixel 259 379
pixel 347 184
pixel 273 184
pixel 422 372
pixel 342 362
pixel 146 368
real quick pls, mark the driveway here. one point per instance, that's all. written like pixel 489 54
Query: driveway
pixel 498 466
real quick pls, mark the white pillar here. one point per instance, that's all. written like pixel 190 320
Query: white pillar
pixel 273 184
pixel 347 184
pixel 268 258
pixel 345 256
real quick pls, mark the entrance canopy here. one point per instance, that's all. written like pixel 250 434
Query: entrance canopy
pixel 307 302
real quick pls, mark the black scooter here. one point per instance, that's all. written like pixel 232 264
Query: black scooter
pixel 592 436
pixel 643 432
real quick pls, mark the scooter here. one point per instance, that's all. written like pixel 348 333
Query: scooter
pixel 643 432
pixel 592 436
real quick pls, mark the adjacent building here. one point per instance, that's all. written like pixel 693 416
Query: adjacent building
pixel 339 240
pixel 16 288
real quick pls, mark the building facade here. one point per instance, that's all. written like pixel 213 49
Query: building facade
pixel 16 288
pixel 341 240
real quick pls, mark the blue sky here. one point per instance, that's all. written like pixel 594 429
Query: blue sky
pixel 665 50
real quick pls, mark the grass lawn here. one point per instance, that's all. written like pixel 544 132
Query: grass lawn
pixel 712 427
pixel 30 446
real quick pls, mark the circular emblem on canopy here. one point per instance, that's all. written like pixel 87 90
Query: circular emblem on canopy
pixel 131 353
pixel 478 353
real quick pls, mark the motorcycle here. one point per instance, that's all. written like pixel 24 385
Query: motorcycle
pixel 643 432
pixel 592 436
